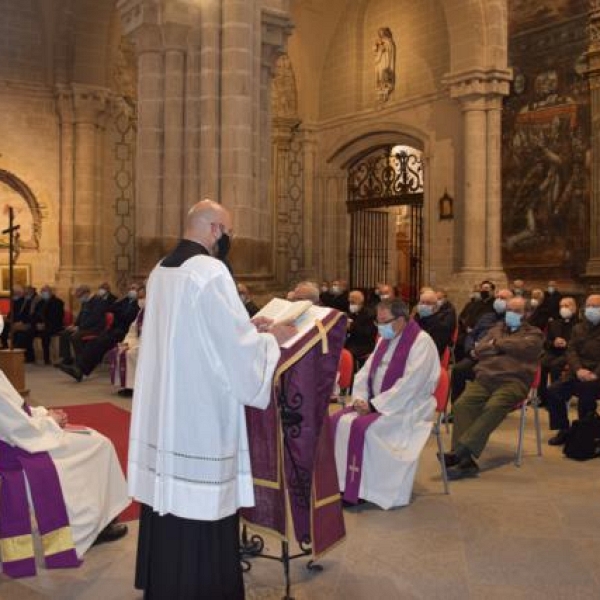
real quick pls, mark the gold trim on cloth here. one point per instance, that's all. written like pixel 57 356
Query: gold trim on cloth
pixel 57 541
pixel 18 547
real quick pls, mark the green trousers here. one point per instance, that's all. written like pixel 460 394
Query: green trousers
pixel 478 411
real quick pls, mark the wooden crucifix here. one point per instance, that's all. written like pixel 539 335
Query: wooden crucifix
pixel 11 230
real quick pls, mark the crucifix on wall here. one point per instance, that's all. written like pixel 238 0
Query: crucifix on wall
pixel 13 254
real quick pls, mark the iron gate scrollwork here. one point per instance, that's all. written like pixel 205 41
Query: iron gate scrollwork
pixel 387 176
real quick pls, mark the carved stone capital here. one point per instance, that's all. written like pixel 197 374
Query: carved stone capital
pixel 276 28
pixel 89 103
pixel 137 13
pixel 479 83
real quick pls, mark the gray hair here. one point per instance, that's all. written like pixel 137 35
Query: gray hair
pixel 397 307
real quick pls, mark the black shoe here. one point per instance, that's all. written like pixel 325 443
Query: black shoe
pixel 560 438
pixel 72 370
pixel 450 459
pixel 448 419
pixel 111 533
pixel 467 467
pixel 125 393
pixel 63 362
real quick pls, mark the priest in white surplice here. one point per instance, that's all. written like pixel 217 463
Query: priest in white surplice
pixel 201 362
pixel 91 485
pixel 378 439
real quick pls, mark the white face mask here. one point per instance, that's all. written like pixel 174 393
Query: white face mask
pixel 384 296
pixel 354 308
pixel 565 312
pixel 534 302
pixel 336 289
pixel 141 302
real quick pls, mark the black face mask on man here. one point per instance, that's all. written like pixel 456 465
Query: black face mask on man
pixel 223 246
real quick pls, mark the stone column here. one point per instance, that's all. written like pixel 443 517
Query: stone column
pixel 64 104
pixel 88 104
pixel 480 93
pixel 309 150
pixel 474 194
pixel 494 189
pixel 174 40
pixel 150 148
pixel 281 140
pixel 209 106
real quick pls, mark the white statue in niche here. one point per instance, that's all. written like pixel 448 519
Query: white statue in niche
pixel 385 62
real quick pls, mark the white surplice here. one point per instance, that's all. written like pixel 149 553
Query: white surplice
pixel 91 479
pixel 201 361
pixel 394 441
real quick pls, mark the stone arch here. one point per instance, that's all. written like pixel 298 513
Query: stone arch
pixel 24 191
pixel 362 140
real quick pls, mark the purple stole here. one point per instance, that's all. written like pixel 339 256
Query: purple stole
pixel 119 359
pixel 359 426
pixel 16 541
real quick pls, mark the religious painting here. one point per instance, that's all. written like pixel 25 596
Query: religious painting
pixel 21 276
pixel 546 151
pixel 528 14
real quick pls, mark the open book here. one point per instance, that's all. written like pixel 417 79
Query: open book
pixel 284 311
pixel 302 314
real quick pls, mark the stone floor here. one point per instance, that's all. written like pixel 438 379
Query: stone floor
pixel 520 533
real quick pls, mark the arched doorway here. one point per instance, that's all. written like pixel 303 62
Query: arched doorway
pixel 385 203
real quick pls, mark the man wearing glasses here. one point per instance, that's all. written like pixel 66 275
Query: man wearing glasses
pixel 380 434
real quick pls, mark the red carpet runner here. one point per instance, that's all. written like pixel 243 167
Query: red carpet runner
pixel 113 422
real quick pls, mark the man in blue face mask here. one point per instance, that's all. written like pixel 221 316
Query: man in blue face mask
pixel 463 369
pixel 583 359
pixel 430 319
pixel 508 357
pixel 380 434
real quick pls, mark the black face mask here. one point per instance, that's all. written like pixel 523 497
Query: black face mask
pixel 485 294
pixel 223 246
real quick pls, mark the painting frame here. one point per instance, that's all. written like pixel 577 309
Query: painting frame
pixel 22 276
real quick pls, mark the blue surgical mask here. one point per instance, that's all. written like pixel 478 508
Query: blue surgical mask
pixel 513 319
pixel 551 289
pixel 424 310
pixel 45 295
pixel 132 294
pixel 500 305
pixel 386 331
pixel 592 314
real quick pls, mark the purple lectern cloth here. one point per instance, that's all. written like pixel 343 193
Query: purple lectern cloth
pixel 291 448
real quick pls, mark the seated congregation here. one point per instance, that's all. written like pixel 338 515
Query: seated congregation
pixel 498 342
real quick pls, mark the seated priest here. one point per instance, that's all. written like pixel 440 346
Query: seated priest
pixel 378 439
pixel 125 356
pixel 69 477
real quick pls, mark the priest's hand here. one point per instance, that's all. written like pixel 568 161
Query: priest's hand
pixel 361 407
pixel 262 324
pixel 60 416
pixel 283 332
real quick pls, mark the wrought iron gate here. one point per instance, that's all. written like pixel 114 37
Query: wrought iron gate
pixel 388 176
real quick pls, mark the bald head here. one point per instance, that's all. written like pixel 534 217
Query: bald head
pixel 516 304
pixel 205 222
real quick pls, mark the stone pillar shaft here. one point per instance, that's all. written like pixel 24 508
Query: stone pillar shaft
pixel 494 187
pixel 474 243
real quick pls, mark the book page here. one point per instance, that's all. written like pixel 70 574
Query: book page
pixel 283 311
pixel 307 321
